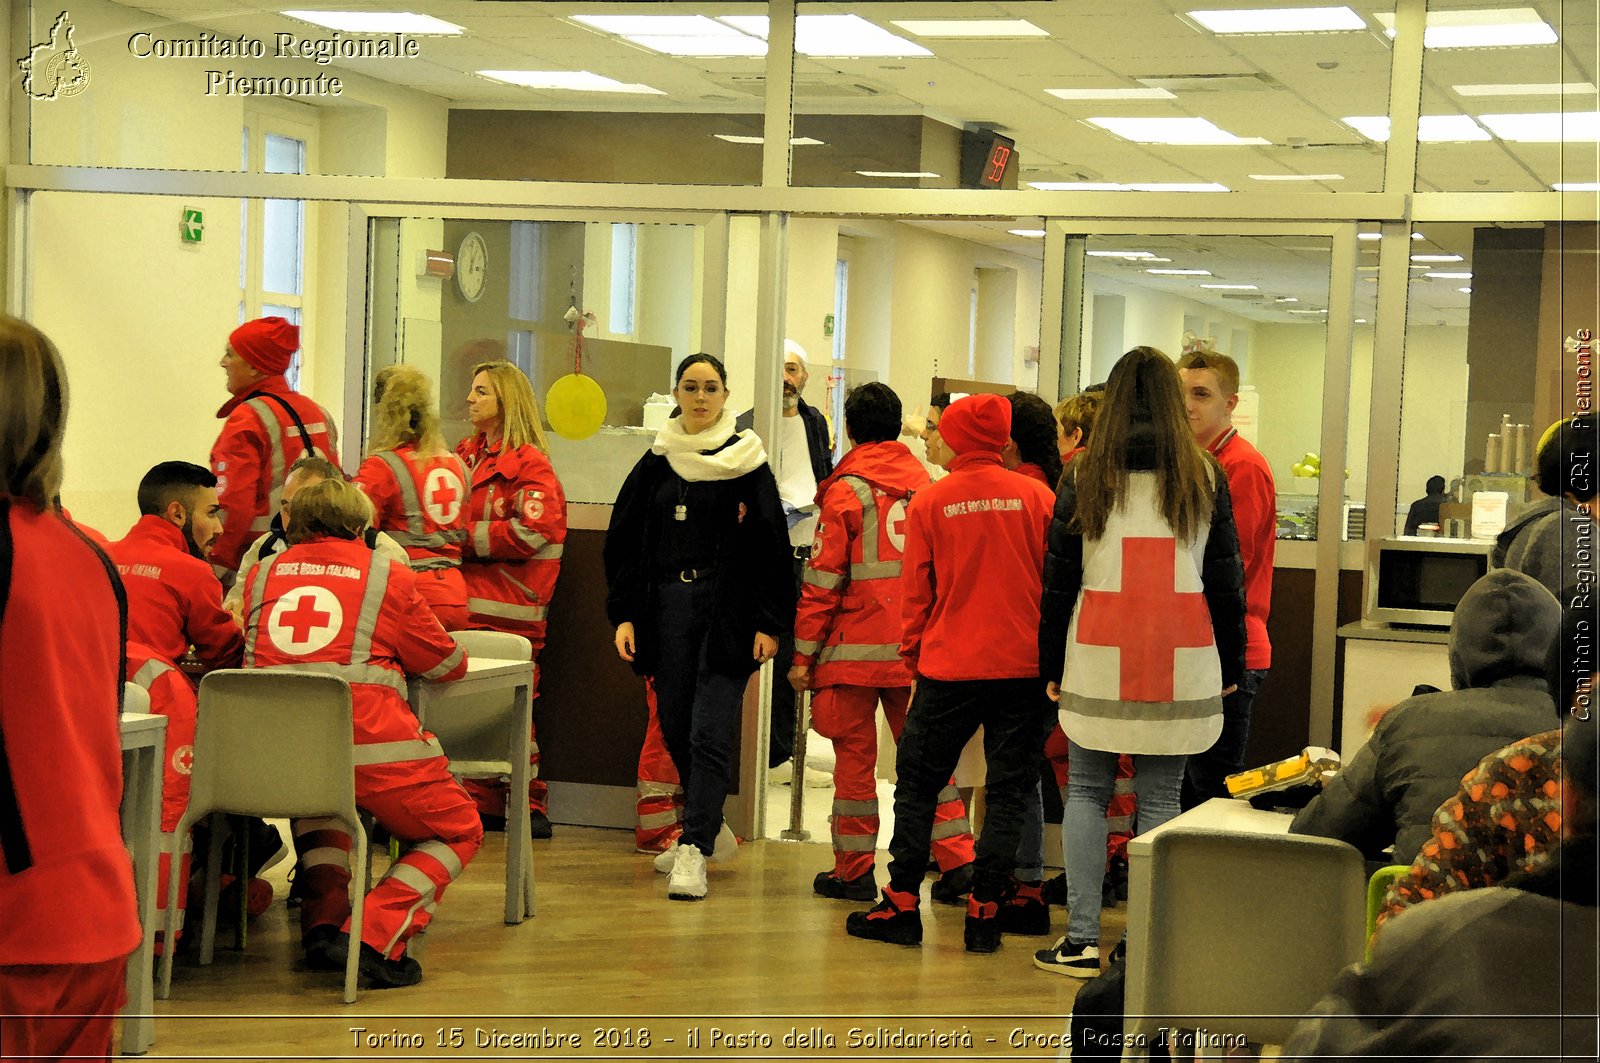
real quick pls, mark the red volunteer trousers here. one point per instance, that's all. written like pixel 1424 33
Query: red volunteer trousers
pixel 847 716
pixel 445 591
pixel 434 820
pixel 54 1011
pixel 659 804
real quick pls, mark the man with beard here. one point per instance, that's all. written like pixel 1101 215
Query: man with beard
pixel 806 460
pixel 174 602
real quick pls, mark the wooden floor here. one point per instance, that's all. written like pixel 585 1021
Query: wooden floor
pixel 607 952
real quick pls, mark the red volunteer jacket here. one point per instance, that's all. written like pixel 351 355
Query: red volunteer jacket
pixel 59 688
pixel 258 443
pixel 516 525
pixel 174 599
pixel 848 620
pixel 421 504
pixel 973 568
pixel 312 607
pixel 1255 513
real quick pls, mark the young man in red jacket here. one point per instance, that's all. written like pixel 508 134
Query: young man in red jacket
pixel 974 559
pixel 847 639
pixel 1211 392
pixel 267 427
pixel 174 602
pixel 331 604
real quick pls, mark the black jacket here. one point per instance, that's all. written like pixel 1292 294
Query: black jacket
pixel 753 581
pixel 816 437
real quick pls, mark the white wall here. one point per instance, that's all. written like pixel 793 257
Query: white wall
pixel 1433 407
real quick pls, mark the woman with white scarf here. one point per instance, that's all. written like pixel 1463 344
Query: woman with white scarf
pixel 700 587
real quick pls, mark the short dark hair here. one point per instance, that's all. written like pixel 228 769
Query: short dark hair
pixel 872 413
pixel 1566 461
pixel 710 359
pixel 1435 485
pixel 169 482
pixel 940 401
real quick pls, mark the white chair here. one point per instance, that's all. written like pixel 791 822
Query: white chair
pixel 1247 931
pixel 484 735
pixel 135 698
pixel 270 744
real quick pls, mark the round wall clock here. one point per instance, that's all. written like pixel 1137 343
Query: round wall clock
pixel 472 266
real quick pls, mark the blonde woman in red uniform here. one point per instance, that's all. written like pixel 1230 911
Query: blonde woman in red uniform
pixel 516 525
pixel 418 489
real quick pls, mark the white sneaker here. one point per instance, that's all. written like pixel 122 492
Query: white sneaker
pixel 783 775
pixel 725 850
pixel 688 879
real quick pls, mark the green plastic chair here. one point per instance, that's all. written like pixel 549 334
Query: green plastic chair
pixel 1377 886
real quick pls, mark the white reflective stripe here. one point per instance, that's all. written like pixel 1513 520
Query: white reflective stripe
pixel 480 539
pixel 650 788
pixel 425 903
pixel 657 820
pixel 819 578
pixel 171 846
pixel 424 540
pixel 325 856
pixel 949 793
pixel 444 854
pixel 367 619
pixel 257 586
pixel 808 647
pixel 410 875
pixel 397 752
pixel 529 537
pixel 434 564
pixel 869 522
pixel 304 826
pixel 316 426
pixel 445 666
pixel 876 570
pixel 150 671
pixel 375 674
pixel 854 843
pixel 854 652
pixel 408 492
pixel 549 552
pixel 855 808
pixel 269 423
pixel 950 828
pixel 485 607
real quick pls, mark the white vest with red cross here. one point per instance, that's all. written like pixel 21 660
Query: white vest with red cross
pixel 421 503
pixel 334 607
pixel 848 620
pixel 1142 672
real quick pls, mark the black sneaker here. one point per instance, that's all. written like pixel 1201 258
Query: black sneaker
pixel 326 948
pixel 1079 961
pixel 492 824
pixel 1054 891
pixel 829 884
pixel 539 825
pixel 1114 888
pixel 380 972
pixel 953 886
pixel 982 932
pixel 894 919
pixel 1023 910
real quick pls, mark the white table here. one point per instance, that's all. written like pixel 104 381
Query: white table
pixel 430 701
pixel 143 743
pixel 1219 813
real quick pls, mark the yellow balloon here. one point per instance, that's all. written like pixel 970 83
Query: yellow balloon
pixel 576 406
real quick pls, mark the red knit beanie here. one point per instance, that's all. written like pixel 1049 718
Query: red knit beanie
pixel 268 343
pixel 977 422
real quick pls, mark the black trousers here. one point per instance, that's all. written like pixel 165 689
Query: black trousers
pixel 780 745
pixel 944 714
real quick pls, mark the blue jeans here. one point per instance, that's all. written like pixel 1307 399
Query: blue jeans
pixel 1205 777
pixel 1092 774
pixel 698 707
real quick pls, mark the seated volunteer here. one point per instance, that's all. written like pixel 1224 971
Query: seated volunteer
pixel 313 605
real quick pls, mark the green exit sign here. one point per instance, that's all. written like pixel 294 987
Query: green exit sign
pixel 193 228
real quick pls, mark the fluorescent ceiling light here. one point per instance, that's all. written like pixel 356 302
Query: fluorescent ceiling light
pixel 567 80
pixel 1119 254
pixel 1142 186
pixel 970 27
pixel 1286 299
pixel 835 37
pixel 896 173
pixel 1032 234
pixel 1369 236
pixel 1464 291
pixel 1170 131
pixel 1552 88
pixel 735 138
pixel 1551 127
pixel 1449 276
pixel 1436 258
pixel 1306 311
pixel 1431 129
pixel 1111 94
pixel 1361 321
pixel 669 25
pixel 1280 20
pixel 1180 272
pixel 1577 186
pixel 379 22
pixel 1232 287
pixel 704 47
pixel 1417 236
pixel 1498 28
pixel 1297 177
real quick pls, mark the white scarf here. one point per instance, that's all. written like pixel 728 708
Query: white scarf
pixel 690 457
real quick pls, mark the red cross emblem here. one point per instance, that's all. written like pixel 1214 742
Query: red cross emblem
pixel 441 492
pixel 183 760
pixel 894 524
pixel 533 506
pixel 1147 621
pixel 816 542
pixel 305 620
pixel 499 509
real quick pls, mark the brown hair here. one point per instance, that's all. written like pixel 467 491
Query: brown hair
pixel 33 413
pixel 1078 413
pixel 1226 368
pixel 1144 426
pixel 328 507
pixel 520 421
pixel 403 412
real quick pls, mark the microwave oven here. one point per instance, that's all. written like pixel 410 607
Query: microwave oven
pixel 1418 581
